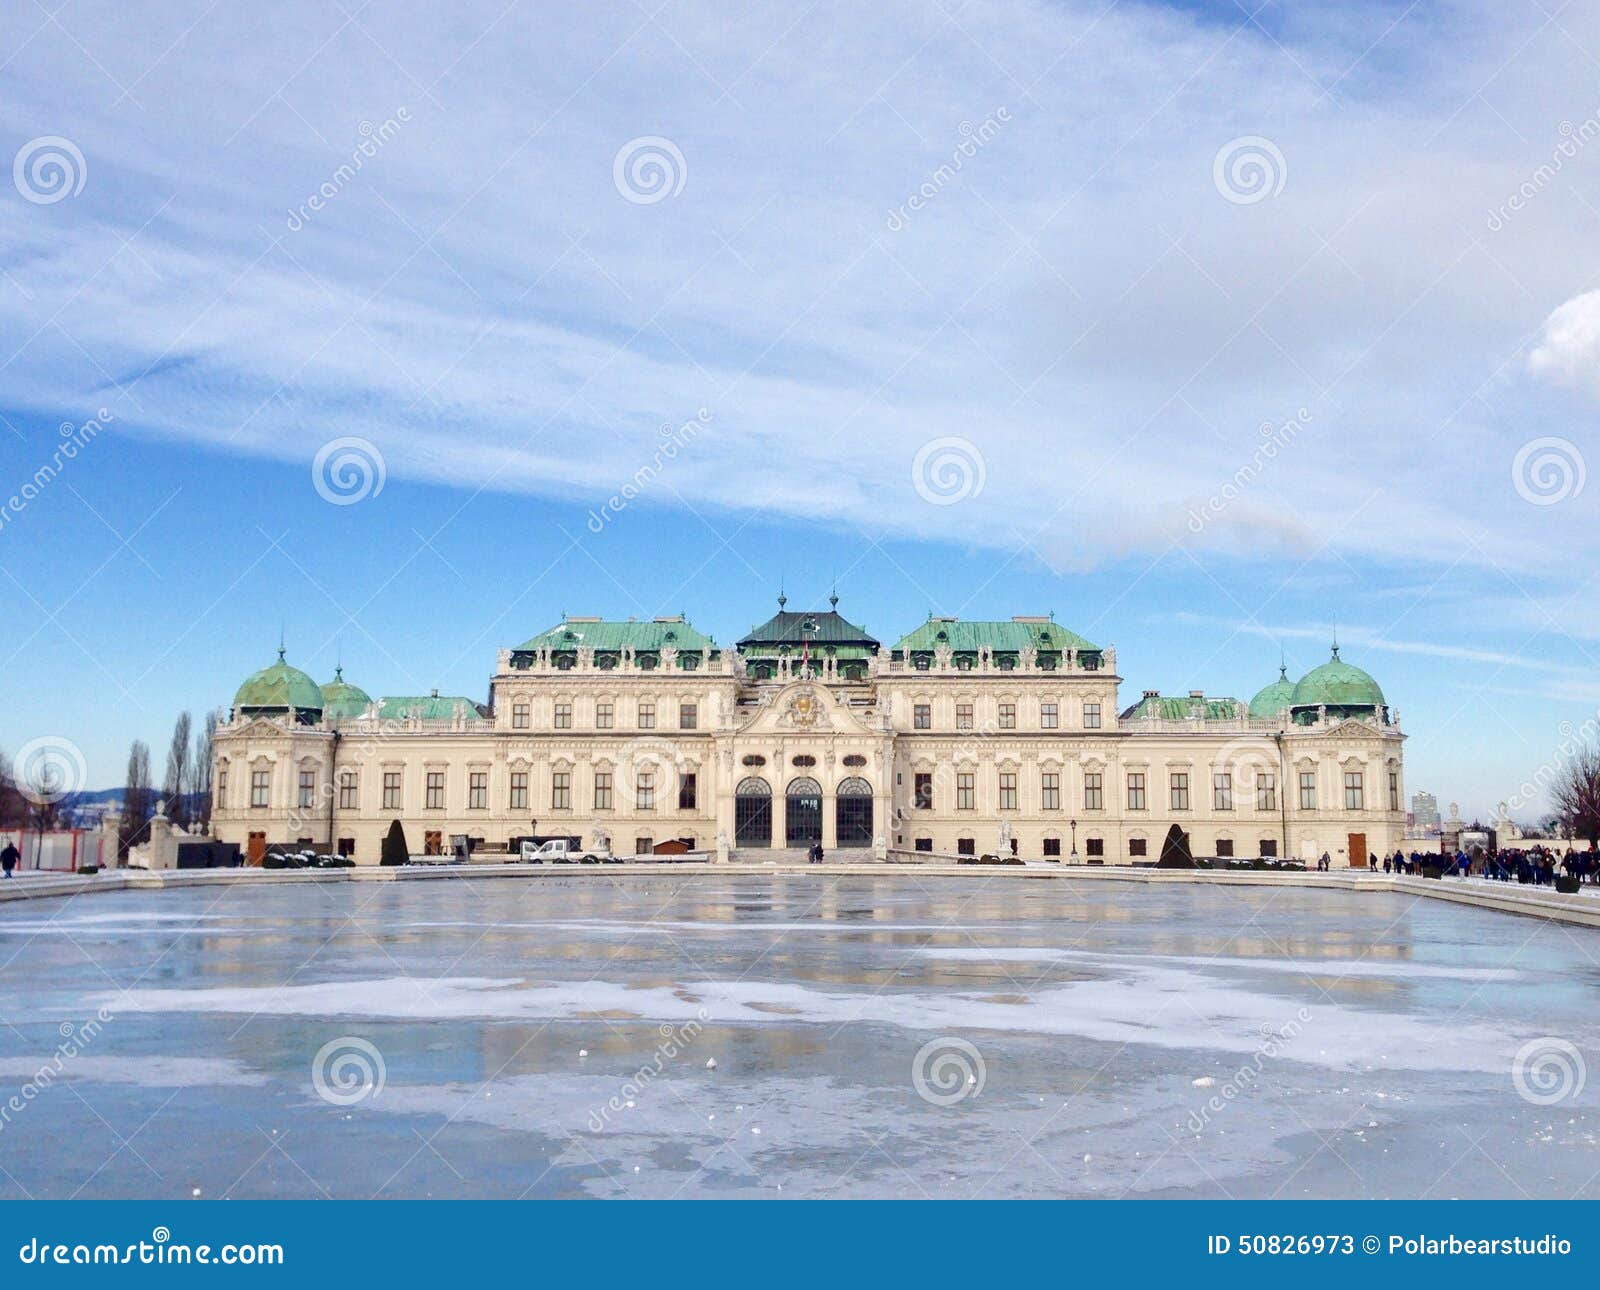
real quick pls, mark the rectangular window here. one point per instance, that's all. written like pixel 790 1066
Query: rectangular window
pixel 647 716
pixel 1394 790
pixel 1050 791
pixel 435 786
pixel 1269 847
pixel 348 785
pixel 1308 790
pixel 924 791
pixel 1222 791
pixel 922 717
pixel 1178 781
pixel 391 790
pixel 688 716
pixel 686 791
pixel 308 787
pixel 647 790
pixel 1052 847
pixel 964 793
pixel 1355 796
pixel 1091 716
pixel 519 716
pixel 260 785
pixel 1136 847
pixel 1008 716
pixel 563 719
pixel 1225 848
pixel 1136 790
pixel 1266 791
pixel 966 847
pixel 643 846
pixel 923 844
pixel 1008 790
pixel 602 790
pixel 222 788
pixel 602 716
pixel 963 716
pixel 478 790
pixel 519 790
pixel 1093 794
pixel 1094 846
pixel 561 790
pixel 1049 716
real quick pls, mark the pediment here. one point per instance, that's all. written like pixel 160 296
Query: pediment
pixel 804 708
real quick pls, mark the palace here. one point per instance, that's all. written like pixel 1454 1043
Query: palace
pixel 962 737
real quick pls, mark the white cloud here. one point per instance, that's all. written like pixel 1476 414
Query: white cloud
pixel 1569 351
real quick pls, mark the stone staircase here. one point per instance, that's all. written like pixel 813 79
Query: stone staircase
pixel 786 856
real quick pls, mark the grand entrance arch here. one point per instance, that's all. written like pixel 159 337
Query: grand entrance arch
pixel 802 816
pixel 853 813
pixel 752 813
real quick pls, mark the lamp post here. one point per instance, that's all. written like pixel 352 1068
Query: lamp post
pixel 1074 825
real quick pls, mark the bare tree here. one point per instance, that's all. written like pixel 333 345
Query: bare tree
pixel 203 763
pixel 179 772
pixel 13 806
pixel 1576 795
pixel 138 801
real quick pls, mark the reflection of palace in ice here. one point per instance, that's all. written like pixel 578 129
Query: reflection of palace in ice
pixel 961 737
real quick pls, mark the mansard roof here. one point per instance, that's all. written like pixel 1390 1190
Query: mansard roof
pixel 820 627
pixel 1026 631
pixel 1185 708
pixel 429 707
pixel 573 633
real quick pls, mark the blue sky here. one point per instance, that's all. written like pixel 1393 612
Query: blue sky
pixel 1091 250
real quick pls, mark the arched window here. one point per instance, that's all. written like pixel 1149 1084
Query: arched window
pixel 855 786
pixel 752 813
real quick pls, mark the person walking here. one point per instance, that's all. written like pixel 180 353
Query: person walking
pixel 9 858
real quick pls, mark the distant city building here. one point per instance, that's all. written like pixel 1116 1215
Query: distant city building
pixel 959 738
pixel 1425 813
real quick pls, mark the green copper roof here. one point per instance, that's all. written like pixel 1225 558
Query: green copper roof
pixel 792 629
pixel 427 707
pixel 1336 684
pixel 1274 698
pixel 594 633
pixel 968 636
pixel 279 686
pixel 340 699
pixel 1184 708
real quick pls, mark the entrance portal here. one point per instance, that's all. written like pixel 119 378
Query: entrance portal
pixel 752 813
pixel 853 813
pixel 1358 850
pixel 803 812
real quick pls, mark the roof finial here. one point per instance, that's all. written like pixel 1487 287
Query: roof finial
pixel 782 599
pixel 1336 638
pixel 280 640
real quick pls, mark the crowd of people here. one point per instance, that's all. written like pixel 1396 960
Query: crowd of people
pixel 1538 866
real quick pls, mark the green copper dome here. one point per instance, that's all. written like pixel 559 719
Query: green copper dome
pixel 279 688
pixel 1273 699
pixel 1336 685
pixel 342 700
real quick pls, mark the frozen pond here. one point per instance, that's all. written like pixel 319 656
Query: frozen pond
pixel 872 1036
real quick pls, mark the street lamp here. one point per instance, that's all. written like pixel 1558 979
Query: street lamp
pixel 1074 824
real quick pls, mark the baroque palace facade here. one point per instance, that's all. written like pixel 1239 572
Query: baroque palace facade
pixel 961 737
